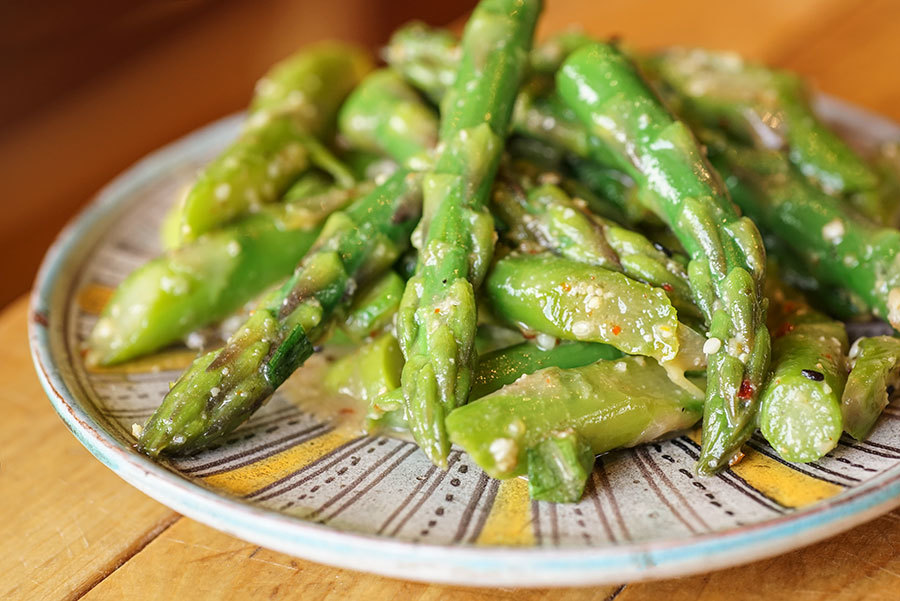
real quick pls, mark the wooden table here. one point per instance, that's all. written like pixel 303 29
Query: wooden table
pixel 72 530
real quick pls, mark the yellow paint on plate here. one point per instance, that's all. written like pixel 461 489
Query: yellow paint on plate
pixel 779 482
pixel 249 478
pixel 93 297
pixel 509 522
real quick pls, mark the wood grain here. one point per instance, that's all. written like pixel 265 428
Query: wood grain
pixel 192 561
pixel 856 57
pixel 66 520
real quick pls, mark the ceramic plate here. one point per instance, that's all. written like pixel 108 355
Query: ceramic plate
pixel 294 482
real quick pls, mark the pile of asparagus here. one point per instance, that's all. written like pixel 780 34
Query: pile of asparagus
pixel 540 254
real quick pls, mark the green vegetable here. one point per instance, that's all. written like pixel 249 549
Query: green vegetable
pixel 834 244
pixel 548 56
pixel 573 301
pixel 875 374
pixel 490 337
pixel 294 108
pixel 223 388
pixel 727 255
pixel 504 366
pixel 369 371
pixel 427 57
pixel 558 468
pixel 800 406
pixel 437 317
pixel 544 217
pixel 496 369
pixel 611 404
pixel 374 307
pixel 769 108
pixel 886 162
pixel 202 282
pixel 385 115
pixel 833 300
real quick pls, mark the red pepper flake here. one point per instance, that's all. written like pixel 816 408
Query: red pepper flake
pixel 667 287
pixel 438 310
pixel 746 391
pixel 346 411
pixel 785 328
pixel 565 286
pixel 616 330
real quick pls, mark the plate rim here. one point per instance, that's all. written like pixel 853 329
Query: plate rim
pixel 465 565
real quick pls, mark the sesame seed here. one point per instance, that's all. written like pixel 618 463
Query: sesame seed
pixel 223 191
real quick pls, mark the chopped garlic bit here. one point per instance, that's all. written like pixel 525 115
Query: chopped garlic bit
pixel 137 430
pixel 545 342
pixel 505 453
pixel 581 329
pixel 834 230
pixel 222 191
pixel 894 306
pixel 712 346
pixel 854 352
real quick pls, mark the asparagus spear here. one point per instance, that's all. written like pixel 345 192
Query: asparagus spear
pixel 835 301
pixel 836 246
pixel 548 56
pixel 374 307
pixel 546 218
pixel 496 369
pixel 572 301
pixel 223 388
pixel 769 108
pixel 383 114
pixel 611 404
pixel 727 256
pixel 872 380
pixel 504 366
pixel 886 162
pixel 558 467
pixel 436 321
pixel 204 281
pixel 800 406
pixel 369 371
pixel 294 107
pixel 428 58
